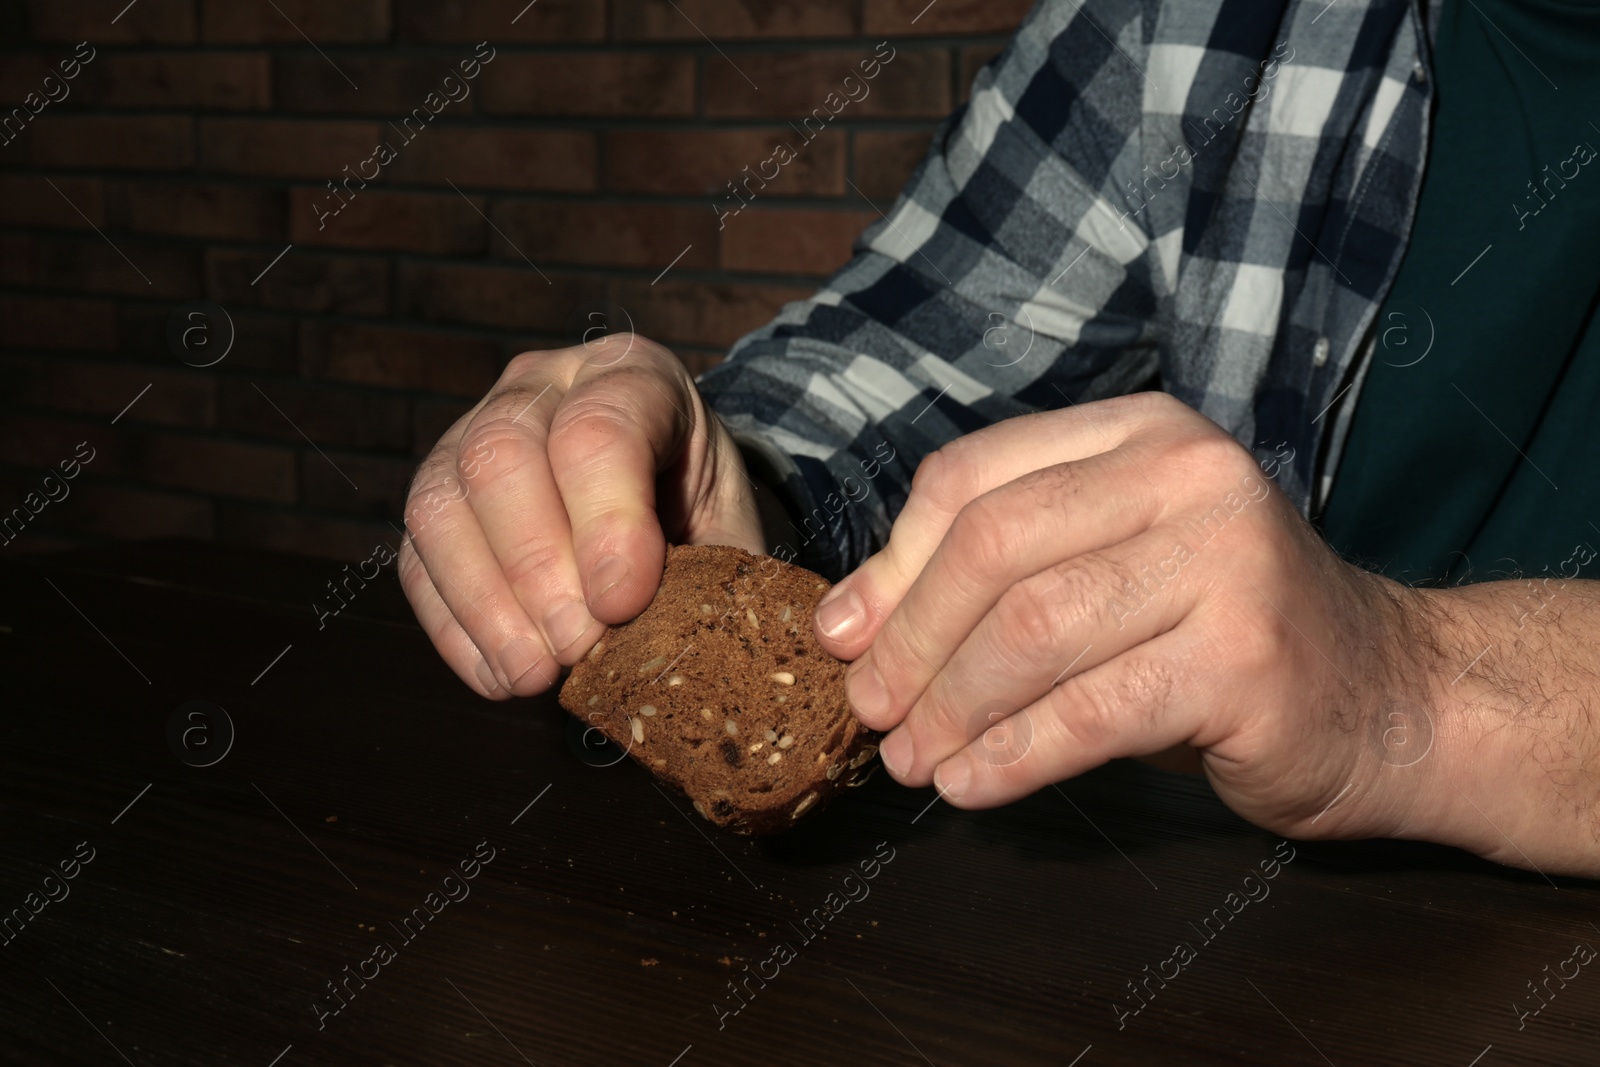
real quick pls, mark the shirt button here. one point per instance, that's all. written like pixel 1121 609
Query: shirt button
pixel 1319 353
pixel 1420 73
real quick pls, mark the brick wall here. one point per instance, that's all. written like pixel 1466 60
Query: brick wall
pixel 172 160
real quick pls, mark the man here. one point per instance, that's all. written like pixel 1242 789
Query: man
pixel 1222 201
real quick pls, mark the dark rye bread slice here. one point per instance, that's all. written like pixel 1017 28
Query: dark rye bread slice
pixel 721 690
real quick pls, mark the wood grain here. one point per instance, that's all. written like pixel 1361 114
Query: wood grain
pixel 609 923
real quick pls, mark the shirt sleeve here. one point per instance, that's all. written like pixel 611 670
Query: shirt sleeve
pixel 1013 274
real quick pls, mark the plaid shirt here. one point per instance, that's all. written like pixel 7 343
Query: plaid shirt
pixel 1211 196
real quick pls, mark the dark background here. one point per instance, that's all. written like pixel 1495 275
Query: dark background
pixel 596 141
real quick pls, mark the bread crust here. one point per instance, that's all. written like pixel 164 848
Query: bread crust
pixel 720 689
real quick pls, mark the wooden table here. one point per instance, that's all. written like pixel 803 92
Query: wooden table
pixel 221 901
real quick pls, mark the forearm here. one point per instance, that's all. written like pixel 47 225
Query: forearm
pixel 1512 688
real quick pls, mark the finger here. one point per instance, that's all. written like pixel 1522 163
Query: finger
pixel 502 458
pixel 957 474
pixel 447 538
pixel 730 514
pixel 455 647
pixel 618 427
pixel 995 541
pixel 1141 702
pixel 1060 622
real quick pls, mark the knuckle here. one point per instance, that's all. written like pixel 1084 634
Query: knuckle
pixel 587 425
pixel 533 564
pixel 430 473
pixel 948 477
pixel 609 350
pixel 1257 644
pixel 901 660
pixel 523 364
pixel 427 507
pixel 1031 619
pixel 493 445
pixel 1042 613
pixel 1213 456
pixel 413 575
pixel 982 537
pixel 1129 697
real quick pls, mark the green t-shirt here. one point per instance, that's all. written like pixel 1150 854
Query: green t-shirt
pixel 1474 450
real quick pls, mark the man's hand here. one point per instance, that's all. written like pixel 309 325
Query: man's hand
pixel 543 512
pixel 1114 580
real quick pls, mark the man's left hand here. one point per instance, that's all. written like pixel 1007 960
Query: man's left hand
pixel 1117 579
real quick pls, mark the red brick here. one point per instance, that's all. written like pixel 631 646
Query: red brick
pixel 399 358
pixel 259 341
pixel 175 398
pixel 623 235
pixel 270 343
pixel 695 313
pixel 26 200
pixel 143 142
pixel 22 73
pixel 524 160
pixel 964 17
pixel 301 281
pixel 442 223
pixel 722 19
pixel 16 260
pixel 779 241
pixel 913 84
pixel 432 419
pixel 92 265
pixel 209 465
pixel 884 161
pixel 238 81
pixel 376 487
pixel 36 543
pixel 182 209
pixel 44 441
pixel 280 148
pixel 329 415
pixel 633 84
pixel 147 22
pixel 472 21
pixel 972 61
pixel 702 162
pixel 390 85
pixel 508 297
pixel 295 21
pixel 308 535
pixel 511 298
pixel 134 514
pixel 47 322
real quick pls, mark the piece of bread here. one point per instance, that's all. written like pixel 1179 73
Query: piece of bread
pixel 720 689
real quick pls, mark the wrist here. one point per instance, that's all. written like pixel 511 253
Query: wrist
pixel 1508 778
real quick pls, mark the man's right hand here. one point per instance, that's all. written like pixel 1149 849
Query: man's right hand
pixel 543 513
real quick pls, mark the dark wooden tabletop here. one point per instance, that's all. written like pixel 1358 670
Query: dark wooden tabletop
pixel 214 911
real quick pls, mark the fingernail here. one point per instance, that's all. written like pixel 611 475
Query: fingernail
pixel 840 612
pixel 486 677
pixel 896 752
pixel 607 573
pixel 953 777
pixel 519 657
pixel 567 623
pixel 867 693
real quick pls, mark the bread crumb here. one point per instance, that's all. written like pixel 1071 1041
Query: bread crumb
pixel 649 961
